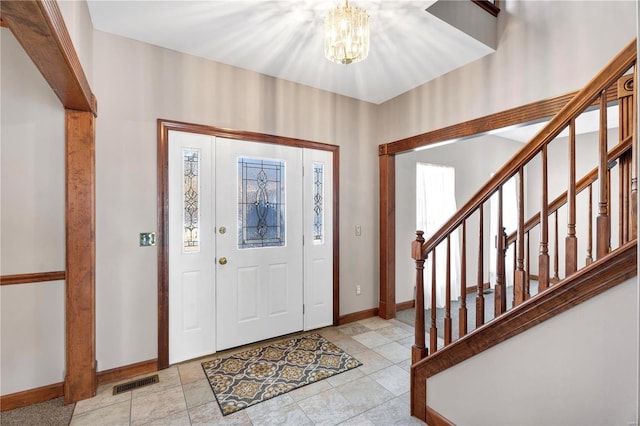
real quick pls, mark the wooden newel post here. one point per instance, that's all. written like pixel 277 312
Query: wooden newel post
pixel 419 350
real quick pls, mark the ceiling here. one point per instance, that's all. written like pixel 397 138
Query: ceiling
pixel 284 39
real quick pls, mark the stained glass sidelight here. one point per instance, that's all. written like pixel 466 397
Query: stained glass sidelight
pixel 191 211
pixel 261 203
pixel 318 202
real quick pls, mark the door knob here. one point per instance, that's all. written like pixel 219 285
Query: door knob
pixel 222 230
pixel 223 261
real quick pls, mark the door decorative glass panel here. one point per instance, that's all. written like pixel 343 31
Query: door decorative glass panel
pixel 318 202
pixel 261 203
pixel 191 211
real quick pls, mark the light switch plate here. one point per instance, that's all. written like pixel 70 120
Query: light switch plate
pixel 147 239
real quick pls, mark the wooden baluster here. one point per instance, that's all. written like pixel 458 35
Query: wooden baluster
pixel 527 269
pixel 447 315
pixel 515 260
pixel 479 292
pixel 433 331
pixel 609 205
pixel 589 258
pixel 462 311
pixel 555 278
pixel 602 222
pixel 571 241
pixel 519 280
pixel 633 201
pixel 418 350
pixel 500 305
pixel 543 259
pixel 623 200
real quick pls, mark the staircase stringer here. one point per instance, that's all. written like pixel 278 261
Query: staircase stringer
pixel 601 275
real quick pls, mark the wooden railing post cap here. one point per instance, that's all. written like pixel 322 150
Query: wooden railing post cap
pixel 416 246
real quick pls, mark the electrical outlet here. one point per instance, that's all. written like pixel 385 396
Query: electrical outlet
pixel 358 230
pixel 358 290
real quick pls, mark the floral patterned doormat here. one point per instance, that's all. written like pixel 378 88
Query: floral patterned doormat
pixel 247 378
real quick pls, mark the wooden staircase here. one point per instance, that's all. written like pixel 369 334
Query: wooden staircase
pixel 606 266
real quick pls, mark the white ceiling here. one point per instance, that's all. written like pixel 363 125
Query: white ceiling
pixel 283 39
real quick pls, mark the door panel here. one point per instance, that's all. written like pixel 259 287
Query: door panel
pixel 260 200
pixel 191 253
pixel 318 248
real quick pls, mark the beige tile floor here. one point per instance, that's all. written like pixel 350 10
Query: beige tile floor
pixel 377 393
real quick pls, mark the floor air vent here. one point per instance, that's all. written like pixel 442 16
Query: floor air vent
pixel 136 384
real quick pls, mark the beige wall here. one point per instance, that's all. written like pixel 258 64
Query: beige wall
pixel 545 49
pixel 78 21
pixel 31 224
pixel 136 84
pixel 547 376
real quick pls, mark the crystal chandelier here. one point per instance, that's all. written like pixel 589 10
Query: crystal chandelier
pixel 346 34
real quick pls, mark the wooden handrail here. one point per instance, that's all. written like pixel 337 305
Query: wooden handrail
pixel 585 97
pixel 581 185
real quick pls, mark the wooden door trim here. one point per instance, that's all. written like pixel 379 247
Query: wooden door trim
pixel 531 112
pixel 163 127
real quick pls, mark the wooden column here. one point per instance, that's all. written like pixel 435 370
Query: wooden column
pixel 419 350
pixel 80 379
pixel 602 222
pixel 571 241
pixel 387 305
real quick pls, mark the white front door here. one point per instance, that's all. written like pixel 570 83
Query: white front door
pixel 191 248
pixel 259 241
pixel 239 271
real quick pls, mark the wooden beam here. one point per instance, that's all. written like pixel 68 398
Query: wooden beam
pixel 80 380
pixel 532 112
pixel 39 27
